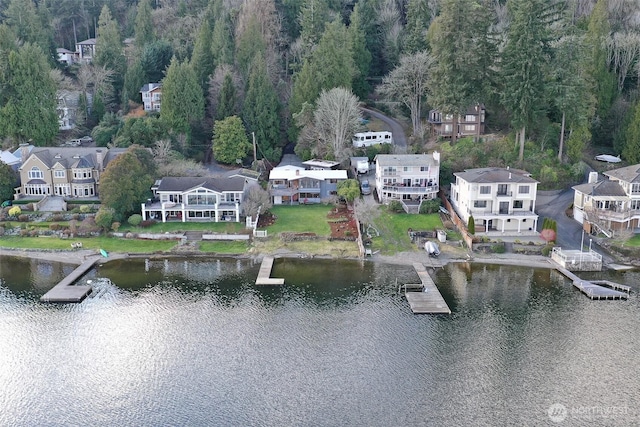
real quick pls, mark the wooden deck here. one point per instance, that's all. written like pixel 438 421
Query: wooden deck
pixel 596 289
pixel 264 275
pixel 66 291
pixel 427 300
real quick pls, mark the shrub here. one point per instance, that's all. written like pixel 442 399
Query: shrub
pixel 395 206
pixel 135 220
pixel 472 225
pixel 15 211
pixel 430 206
pixel 115 226
pixel 547 249
pixel 54 227
pixel 499 248
pixel 147 223
pixel 85 209
pixel 23 218
pixel 56 218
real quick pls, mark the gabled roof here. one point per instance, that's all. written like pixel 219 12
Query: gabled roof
pixel 75 157
pixel 294 172
pixel 495 175
pixel 217 184
pixel 322 164
pixel 150 86
pixel 406 160
pixel 627 174
pixel 604 188
pixel 63 50
pixel 9 158
pixel 88 41
pixel 245 173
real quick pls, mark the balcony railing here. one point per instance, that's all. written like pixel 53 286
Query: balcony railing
pixel 409 189
pixel 504 193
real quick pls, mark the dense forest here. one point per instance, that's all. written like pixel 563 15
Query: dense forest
pixel 555 75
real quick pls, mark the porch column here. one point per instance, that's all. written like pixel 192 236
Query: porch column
pixel 519 225
pixel 144 212
pixel 217 213
pixel 184 213
pixel 504 221
pixel 237 212
pixel 164 213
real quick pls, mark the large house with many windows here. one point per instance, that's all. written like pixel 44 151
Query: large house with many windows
pixel 609 205
pixel 292 185
pixel 151 96
pixel 501 200
pixel 71 172
pixel 190 199
pixel 471 123
pixel 408 178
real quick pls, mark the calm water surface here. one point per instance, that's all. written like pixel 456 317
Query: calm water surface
pixel 193 342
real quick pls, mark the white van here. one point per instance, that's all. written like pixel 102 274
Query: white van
pixel 367 139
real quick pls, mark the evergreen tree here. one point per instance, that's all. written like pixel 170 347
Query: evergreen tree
pixel 361 56
pixel 471 226
pixel 227 100
pixel 29 97
pixel 230 142
pixel 631 152
pixel 155 58
pixel 31 24
pixel 134 79
pixel 368 11
pixel 8 181
pixel 313 16
pixel 261 111
pixel 202 59
pixel 418 21
pixel 222 41
pixel 110 50
pixel 144 30
pixel 523 63
pixel 250 44
pixel 182 98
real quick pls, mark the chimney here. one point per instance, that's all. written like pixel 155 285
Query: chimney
pixel 509 175
pixel 297 172
pixel 24 151
pixel 593 177
pixel 436 156
pixel 99 160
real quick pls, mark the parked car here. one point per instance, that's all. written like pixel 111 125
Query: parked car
pixel 86 139
pixel 364 187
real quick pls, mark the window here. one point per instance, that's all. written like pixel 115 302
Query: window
pixel 424 168
pixel 406 169
pixel 635 188
pixel 35 173
pixel 479 203
pixel 59 173
pixel 485 189
pixel 523 189
pixel 470 118
pixel 517 204
pixel 470 127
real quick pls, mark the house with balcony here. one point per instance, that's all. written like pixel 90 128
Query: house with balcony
pixel 70 172
pixel 86 50
pixel 191 199
pixel 611 204
pixel 501 200
pixel 292 185
pixel 65 56
pixel 151 96
pixel 470 123
pixel 408 178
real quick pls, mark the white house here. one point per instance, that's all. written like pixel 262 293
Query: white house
pixel 66 56
pixel 408 178
pixel 151 96
pixel 609 204
pixel 499 199
pixel 189 199
pixel 86 50
pixel 290 184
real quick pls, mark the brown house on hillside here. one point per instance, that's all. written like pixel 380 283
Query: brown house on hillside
pixel 470 123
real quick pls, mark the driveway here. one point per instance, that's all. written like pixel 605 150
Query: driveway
pixel 399 138
pixel 554 207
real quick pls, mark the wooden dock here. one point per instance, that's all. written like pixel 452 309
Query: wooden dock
pixel 66 291
pixel 264 275
pixel 427 300
pixel 596 289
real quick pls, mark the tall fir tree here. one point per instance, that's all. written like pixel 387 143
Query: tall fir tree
pixel 110 50
pixel 182 98
pixel 361 56
pixel 261 111
pixel 202 59
pixel 144 30
pixel 418 21
pixel 222 41
pixel 227 99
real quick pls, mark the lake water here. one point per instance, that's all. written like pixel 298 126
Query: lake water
pixel 194 342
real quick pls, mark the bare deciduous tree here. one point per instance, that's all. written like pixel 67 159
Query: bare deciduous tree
pixel 254 198
pixel 407 83
pixel 623 50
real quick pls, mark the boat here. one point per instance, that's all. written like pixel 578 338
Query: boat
pixel 608 158
pixel 432 248
pixel 104 253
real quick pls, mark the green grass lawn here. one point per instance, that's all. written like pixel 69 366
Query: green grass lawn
pixel 109 244
pixel 393 228
pixel 301 219
pixel 225 247
pixel 172 227
pixel 634 241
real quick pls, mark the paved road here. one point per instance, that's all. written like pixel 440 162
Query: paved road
pixel 399 138
pixel 569 230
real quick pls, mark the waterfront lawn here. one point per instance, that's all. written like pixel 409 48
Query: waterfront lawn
pixel 634 241
pixel 225 246
pixel 394 230
pixel 174 227
pixel 301 219
pixel 109 244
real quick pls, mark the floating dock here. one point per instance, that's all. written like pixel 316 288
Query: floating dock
pixel 66 291
pixel 264 275
pixel 597 289
pixel 427 299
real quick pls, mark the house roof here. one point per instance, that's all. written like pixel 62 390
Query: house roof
pixel 9 158
pixel 323 164
pixel 627 174
pixel 495 175
pixel 406 160
pixel 88 41
pixel 75 157
pixel 150 86
pixel 604 188
pixel 217 184
pixel 63 50
pixel 293 172
pixel 245 173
